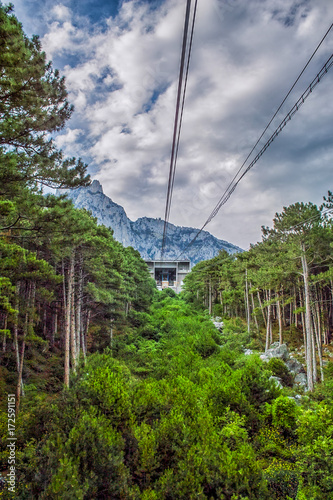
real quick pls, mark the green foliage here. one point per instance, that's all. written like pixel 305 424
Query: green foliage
pixel 279 369
pixel 284 413
pixel 315 431
pixel 107 388
pixel 163 406
pixel 166 420
pixel 33 104
pixel 123 435
pixel 65 482
pixel 282 479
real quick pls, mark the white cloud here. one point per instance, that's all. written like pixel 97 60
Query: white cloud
pixel 68 140
pixel 245 57
pixel 61 12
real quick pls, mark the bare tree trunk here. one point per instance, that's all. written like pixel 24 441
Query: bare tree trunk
pixel 295 307
pixel 4 335
pixel 55 326
pixel 15 326
pixel 20 371
pixel 314 361
pixel 28 322
pixel 79 308
pixel 317 337
pixel 262 309
pixel 268 328
pixel 309 333
pixel 301 302
pixel 320 316
pixel 325 315
pixel 66 298
pixel 247 303
pixel 71 310
pixel 314 340
pixel 279 317
pixel 253 309
pixel 320 355
pixel 85 336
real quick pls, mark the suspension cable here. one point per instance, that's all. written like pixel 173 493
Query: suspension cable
pixel 178 119
pixel 233 184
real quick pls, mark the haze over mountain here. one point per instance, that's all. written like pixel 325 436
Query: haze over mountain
pixel 145 234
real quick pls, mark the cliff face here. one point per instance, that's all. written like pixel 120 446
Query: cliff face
pixel 104 209
pixel 145 234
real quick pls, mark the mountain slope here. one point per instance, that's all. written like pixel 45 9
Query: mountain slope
pixel 145 234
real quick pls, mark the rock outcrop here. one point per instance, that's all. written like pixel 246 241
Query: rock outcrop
pixel 276 350
pixel 295 368
pixel 145 234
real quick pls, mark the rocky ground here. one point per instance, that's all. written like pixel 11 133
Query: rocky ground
pixel 293 360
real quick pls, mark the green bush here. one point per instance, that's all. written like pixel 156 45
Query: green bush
pixel 175 416
pixel 282 479
pixel 315 462
pixel 279 369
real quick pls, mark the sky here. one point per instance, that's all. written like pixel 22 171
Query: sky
pixel 121 64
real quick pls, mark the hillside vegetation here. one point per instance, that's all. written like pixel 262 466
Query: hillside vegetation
pixel 121 391
pixel 286 279
pixel 175 410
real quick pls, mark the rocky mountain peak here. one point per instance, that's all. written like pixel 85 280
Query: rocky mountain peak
pixel 145 234
pixel 95 187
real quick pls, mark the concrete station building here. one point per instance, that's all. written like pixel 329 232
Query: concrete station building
pixel 169 273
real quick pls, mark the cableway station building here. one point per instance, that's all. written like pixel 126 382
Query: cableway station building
pixel 169 273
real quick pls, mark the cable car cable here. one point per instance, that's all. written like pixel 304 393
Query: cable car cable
pixel 232 185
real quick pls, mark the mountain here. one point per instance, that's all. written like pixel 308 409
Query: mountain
pixel 145 234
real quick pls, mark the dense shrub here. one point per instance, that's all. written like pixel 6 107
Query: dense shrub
pixel 181 415
pixel 279 369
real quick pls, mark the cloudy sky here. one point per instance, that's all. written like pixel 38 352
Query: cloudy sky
pixel 121 63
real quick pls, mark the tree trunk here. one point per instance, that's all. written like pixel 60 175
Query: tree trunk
pixel 247 303
pixel 210 308
pixel 268 328
pixel 279 317
pixel 295 307
pixel 308 326
pixel 85 336
pixel 28 323
pixel 79 308
pixel 262 309
pixel 67 309
pixel 320 354
pixel 283 307
pixel 71 310
pixel 15 327
pixel 253 309
pixel 314 362
pixel 55 326
pixel 4 335
pixel 301 303
pixel 317 336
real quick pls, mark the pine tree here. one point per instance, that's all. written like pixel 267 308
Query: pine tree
pixel 33 104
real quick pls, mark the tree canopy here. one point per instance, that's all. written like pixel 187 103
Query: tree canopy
pixel 33 105
pixel 125 392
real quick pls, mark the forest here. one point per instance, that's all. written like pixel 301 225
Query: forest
pixel 286 280
pixel 115 390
